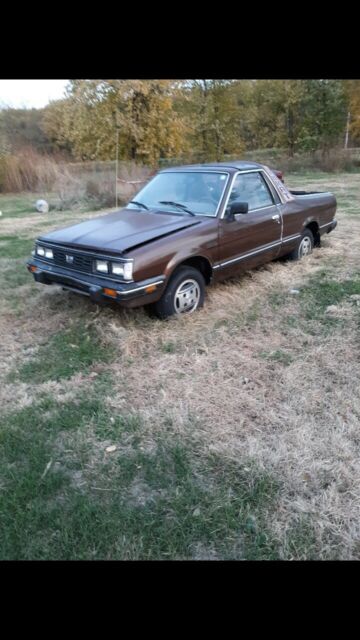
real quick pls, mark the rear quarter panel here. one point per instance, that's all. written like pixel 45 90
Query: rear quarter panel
pixel 298 213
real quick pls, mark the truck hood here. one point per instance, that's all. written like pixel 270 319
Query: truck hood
pixel 120 231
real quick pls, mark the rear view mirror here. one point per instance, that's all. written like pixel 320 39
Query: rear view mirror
pixel 238 207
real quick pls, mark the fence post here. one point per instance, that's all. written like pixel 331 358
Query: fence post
pixel 116 167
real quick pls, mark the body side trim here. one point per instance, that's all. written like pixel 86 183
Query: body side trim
pixel 262 248
pixel 321 226
pixel 247 255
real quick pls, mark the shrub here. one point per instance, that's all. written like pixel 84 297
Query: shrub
pixel 27 171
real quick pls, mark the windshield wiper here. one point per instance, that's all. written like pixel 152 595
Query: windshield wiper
pixel 177 204
pixel 140 204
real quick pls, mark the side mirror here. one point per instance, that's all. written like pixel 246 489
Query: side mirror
pixel 236 208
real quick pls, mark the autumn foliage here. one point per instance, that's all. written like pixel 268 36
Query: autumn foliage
pixel 156 122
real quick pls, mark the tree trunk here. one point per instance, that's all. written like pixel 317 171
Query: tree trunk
pixel 218 149
pixel 290 127
pixel 347 130
pixel 203 118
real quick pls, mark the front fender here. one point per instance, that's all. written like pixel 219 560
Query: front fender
pixel 181 257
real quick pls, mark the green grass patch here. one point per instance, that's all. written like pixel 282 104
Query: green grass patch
pixel 15 276
pixel 22 205
pixel 277 299
pixel 277 356
pixel 253 314
pixel 108 426
pixel 322 292
pixel 15 247
pixel 291 321
pixel 74 501
pixel 309 307
pixel 17 205
pixel 168 347
pixel 68 352
pixel 301 541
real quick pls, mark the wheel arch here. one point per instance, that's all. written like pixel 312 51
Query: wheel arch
pixel 313 225
pixel 200 262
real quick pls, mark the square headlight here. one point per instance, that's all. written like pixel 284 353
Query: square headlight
pixel 102 266
pixel 124 270
pixel 40 251
pixel 49 253
pixel 117 269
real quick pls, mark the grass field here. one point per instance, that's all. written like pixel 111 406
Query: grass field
pixel 234 433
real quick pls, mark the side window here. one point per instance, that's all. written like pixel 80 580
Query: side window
pixel 251 188
pixel 272 189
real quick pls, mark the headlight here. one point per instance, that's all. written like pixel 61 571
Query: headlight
pixel 124 270
pixel 40 251
pixel 102 266
pixel 49 253
pixel 117 269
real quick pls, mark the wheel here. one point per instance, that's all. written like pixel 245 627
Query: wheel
pixel 184 294
pixel 304 246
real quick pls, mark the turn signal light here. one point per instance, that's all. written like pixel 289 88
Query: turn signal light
pixel 110 292
pixel 32 268
pixel 150 288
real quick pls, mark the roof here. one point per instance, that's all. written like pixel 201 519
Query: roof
pixel 233 165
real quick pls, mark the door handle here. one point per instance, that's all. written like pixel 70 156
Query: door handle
pixel 277 218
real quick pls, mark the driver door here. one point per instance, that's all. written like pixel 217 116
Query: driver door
pixel 253 238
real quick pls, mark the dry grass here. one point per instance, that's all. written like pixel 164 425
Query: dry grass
pixel 300 421
pixel 68 185
pixel 250 377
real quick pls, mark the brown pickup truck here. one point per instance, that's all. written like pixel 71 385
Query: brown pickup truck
pixel 188 226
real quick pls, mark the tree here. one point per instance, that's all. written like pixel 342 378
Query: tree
pixel 298 115
pixel 324 109
pixel 55 125
pixel 272 113
pixel 352 91
pixel 210 109
pixel 204 119
pixel 140 111
pixel 22 128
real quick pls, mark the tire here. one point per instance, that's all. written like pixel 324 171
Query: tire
pixel 184 294
pixel 304 247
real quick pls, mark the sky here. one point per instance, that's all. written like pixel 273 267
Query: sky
pixel 30 93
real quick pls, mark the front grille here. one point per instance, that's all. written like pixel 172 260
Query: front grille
pixel 79 262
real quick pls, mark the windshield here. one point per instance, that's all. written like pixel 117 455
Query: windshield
pixel 196 191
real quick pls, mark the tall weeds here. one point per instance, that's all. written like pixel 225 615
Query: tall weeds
pixel 71 185
pixel 92 184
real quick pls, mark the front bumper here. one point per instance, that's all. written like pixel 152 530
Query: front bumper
pixel 128 294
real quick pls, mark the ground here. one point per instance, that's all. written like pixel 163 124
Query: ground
pixel 229 434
